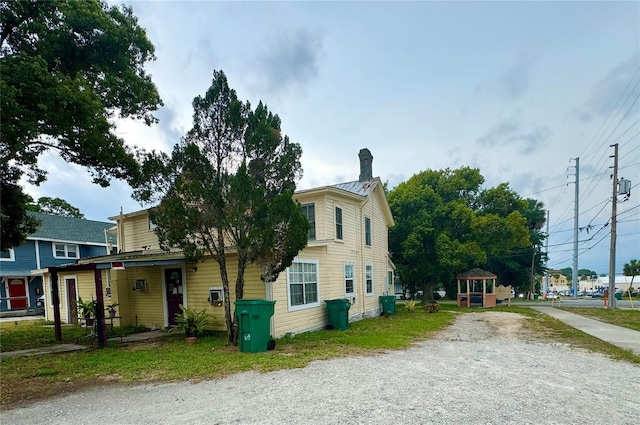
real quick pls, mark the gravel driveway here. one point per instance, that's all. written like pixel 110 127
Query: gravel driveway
pixel 484 369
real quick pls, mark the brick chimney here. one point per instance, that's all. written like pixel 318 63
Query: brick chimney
pixel 366 165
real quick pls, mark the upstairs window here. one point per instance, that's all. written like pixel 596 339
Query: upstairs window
pixel 65 250
pixel 7 255
pixel 309 210
pixel 367 231
pixel 338 223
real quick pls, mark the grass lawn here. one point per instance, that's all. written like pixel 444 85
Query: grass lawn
pixel 22 335
pixel 621 317
pixel 25 379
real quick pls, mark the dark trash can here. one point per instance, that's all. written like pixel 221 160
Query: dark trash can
pixel 254 325
pixel 618 295
pixel 388 303
pixel 338 313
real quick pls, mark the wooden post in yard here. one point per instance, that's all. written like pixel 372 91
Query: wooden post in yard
pixel 55 299
pixel 101 325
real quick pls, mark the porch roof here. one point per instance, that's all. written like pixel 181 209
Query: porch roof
pixel 120 261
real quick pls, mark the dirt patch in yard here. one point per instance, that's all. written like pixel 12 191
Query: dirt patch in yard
pixel 495 324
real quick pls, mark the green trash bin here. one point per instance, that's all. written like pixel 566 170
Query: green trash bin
pixel 338 313
pixel 618 295
pixel 388 303
pixel 536 296
pixel 254 325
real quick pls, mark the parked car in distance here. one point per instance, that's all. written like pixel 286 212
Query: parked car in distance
pixel 597 295
pixel 552 296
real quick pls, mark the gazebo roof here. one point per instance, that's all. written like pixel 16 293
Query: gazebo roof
pixel 476 273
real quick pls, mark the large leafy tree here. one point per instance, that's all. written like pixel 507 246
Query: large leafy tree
pixel 226 188
pixel 69 68
pixel 441 230
pixel 520 265
pixel 55 206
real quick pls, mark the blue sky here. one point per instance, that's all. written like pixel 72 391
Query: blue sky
pixel 515 89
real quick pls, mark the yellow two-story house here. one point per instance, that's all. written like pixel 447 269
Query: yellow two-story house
pixel 346 257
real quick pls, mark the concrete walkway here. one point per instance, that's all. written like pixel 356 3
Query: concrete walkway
pixel 615 335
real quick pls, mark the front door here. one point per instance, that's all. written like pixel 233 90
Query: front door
pixel 72 299
pixel 18 289
pixel 173 281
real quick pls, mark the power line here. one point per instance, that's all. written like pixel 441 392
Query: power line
pixel 610 112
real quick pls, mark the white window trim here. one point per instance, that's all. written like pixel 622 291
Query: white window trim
pixel 12 256
pixel 335 223
pixel 66 250
pixel 304 306
pixel 152 226
pixel 390 284
pixel 315 230
pixel 353 278
pixel 216 289
pixel 373 286
pixel 368 245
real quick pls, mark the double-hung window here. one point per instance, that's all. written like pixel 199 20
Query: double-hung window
pixel 302 280
pixel 368 278
pixel 367 231
pixel 65 250
pixel 339 223
pixel 309 210
pixel 348 279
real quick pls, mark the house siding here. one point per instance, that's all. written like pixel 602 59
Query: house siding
pixel 24 259
pixel 137 235
pixel 331 259
pixel 149 307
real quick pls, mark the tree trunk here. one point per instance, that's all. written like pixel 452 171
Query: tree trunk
pixel 427 288
pixel 242 265
pixel 221 259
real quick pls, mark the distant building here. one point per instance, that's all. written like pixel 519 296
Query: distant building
pixel 59 240
pixel 622 283
pixel 558 282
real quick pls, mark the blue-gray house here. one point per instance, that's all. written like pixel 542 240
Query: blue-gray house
pixel 59 240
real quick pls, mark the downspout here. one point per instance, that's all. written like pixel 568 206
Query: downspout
pixel 37 255
pixel 121 231
pixel 362 265
pixel 106 242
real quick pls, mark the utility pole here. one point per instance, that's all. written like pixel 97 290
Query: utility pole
pixel 574 278
pixel 614 212
pixel 546 261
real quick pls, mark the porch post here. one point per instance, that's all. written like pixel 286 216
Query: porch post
pixel 102 327
pixel 55 299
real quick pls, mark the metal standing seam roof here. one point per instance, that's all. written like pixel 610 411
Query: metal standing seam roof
pixel 71 229
pixel 358 187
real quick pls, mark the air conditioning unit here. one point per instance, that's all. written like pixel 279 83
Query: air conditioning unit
pixel 140 285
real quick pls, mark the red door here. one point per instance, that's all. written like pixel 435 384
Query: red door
pixel 72 300
pixel 18 289
pixel 173 280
